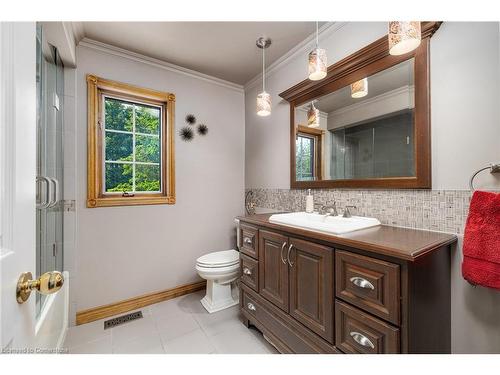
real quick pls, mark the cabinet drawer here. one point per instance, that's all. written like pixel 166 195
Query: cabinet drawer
pixel 250 272
pixel 359 332
pixel 368 283
pixel 286 334
pixel 249 240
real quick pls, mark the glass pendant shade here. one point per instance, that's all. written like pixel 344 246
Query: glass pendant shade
pixel 359 88
pixel 313 117
pixel 317 64
pixel 404 36
pixel 263 104
pixel 263 99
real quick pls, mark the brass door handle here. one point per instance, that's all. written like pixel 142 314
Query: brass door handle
pixel 48 283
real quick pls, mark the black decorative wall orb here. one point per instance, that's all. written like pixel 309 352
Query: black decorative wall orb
pixel 190 119
pixel 186 134
pixel 202 129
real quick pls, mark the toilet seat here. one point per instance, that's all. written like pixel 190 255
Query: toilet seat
pixel 216 272
pixel 219 259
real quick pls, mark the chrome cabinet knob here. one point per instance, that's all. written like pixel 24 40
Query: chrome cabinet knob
pixel 361 283
pixel 247 241
pixel 251 306
pixel 362 339
pixel 247 271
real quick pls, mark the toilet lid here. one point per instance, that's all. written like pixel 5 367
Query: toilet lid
pixel 219 259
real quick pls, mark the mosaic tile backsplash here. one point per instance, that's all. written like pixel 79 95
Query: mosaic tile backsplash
pixel 438 210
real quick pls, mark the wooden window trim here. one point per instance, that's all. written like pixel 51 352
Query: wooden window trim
pixel 96 87
pixel 318 135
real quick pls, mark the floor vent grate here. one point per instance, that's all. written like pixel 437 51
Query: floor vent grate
pixel 122 319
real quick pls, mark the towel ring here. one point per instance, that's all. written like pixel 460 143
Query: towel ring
pixel 494 168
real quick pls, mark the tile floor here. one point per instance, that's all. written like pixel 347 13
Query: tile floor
pixel 177 326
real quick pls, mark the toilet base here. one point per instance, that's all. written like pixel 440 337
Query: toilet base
pixel 218 297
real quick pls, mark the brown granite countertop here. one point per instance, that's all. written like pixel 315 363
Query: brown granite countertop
pixel 403 243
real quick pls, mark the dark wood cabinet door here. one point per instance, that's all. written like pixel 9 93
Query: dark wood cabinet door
pixel 273 270
pixel 311 286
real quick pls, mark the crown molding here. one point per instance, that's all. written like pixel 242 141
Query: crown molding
pixel 365 56
pixel 303 47
pixel 77 30
pixel 134 56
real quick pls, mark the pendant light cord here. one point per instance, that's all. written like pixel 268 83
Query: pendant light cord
pixel 263 69
pixel 317 35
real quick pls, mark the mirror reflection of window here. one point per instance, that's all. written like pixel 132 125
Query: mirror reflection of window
pixel 309 143
pixel 368 127
pixel 305 158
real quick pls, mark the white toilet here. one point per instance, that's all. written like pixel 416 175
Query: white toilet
pixel 220 269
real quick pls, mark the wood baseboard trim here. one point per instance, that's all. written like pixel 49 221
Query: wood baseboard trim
pixel 100 312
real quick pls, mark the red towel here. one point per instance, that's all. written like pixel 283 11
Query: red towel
pixel 481 263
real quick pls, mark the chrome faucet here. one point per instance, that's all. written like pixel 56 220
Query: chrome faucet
pixel 328 209
pixel 347 213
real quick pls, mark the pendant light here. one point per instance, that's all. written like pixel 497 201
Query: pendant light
pixel 313 116
pixel 263 99
pixel 359 88
pixel 317 61
pixel 404 36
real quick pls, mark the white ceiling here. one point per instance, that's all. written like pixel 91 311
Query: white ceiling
pixel 224 50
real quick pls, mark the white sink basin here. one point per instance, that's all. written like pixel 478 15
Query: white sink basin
pixel 323 223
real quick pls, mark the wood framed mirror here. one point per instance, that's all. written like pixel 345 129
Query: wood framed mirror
pixel 371 123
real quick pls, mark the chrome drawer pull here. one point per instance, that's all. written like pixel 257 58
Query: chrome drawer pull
pixel 362 283
pixel 362 339
pixel 247 271
pixel 251 306
pixel 288 255
pixel 281 252
pixel 247 241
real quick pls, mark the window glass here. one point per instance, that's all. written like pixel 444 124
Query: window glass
pixel 132 147
pixel 147 120
pixel 119 115
pixel 305 158
pixel 118 177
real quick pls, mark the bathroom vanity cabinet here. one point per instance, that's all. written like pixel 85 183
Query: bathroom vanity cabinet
pixel 378 290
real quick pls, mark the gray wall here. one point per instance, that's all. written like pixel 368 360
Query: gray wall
pixel 123 252
pixel 465 87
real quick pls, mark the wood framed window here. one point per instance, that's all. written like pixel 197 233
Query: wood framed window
pixel 130 149
pixel 309 156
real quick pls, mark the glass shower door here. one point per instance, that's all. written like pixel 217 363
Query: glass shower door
pixel 50 171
